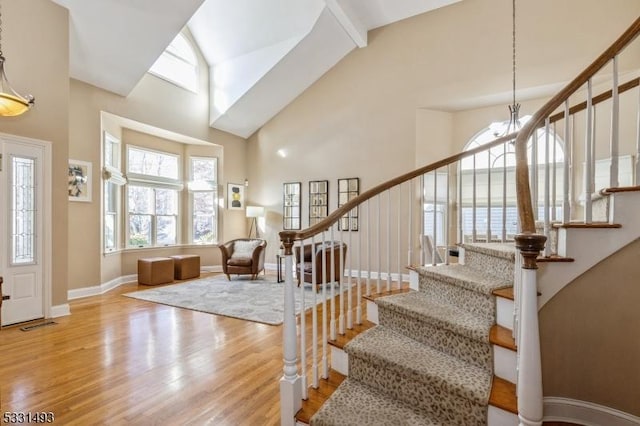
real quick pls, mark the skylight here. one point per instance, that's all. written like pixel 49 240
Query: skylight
pixel 178 64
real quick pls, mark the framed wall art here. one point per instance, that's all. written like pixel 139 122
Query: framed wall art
pixel 291 204
pixel 348 189
pixel 318 201
pixel 79 180
pixel 235 196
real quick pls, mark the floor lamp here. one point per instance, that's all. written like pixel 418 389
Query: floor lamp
pixel 254 212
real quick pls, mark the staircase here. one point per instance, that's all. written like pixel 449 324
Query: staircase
pixel 451 350
pixel 429 361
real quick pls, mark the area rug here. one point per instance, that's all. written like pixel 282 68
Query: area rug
pixel 260 300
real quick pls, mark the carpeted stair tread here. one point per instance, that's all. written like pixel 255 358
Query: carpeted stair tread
pixel 356 404
pixel 423 307
pixel 466 277
pixel 389 349
pixel 503 250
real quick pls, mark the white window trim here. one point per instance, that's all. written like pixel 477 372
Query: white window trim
pixel 192 186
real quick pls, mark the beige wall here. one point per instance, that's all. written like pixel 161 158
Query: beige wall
pixel 370 115
pixel 589 335
pixel 35 44
pixel 160 108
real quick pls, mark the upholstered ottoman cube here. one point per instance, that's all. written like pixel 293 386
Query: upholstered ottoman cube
pixel 155 270
pixel 186 266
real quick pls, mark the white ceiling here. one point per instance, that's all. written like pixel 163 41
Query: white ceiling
pixel 261 53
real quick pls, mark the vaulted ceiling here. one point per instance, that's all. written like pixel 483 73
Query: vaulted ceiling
pixel 261 53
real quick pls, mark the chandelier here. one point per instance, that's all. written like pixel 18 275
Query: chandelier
pixel 514 109
pixel 11 102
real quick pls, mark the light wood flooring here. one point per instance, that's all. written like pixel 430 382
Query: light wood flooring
pixel 123 361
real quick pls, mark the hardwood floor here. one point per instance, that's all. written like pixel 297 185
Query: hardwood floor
pixel 118 360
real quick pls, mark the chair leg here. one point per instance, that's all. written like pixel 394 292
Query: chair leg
pixel 228 277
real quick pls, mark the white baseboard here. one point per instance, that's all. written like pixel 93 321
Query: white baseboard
pixel 60 311
pixel 585 413
pixel 96 290
pixel 374 275
pixel 339 360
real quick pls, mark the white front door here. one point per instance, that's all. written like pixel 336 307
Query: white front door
pixel 21 229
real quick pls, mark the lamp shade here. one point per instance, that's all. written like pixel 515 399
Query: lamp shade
pixel 255 211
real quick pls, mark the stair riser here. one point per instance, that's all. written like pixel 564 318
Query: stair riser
pixel 427 396
pixel 474 351
pixel 480 304
pixel 498 266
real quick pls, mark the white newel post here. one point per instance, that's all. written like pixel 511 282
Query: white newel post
pixel 529 387
pixel 290 383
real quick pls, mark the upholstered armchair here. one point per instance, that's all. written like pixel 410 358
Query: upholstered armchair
pixel 323 262
pixel 243 256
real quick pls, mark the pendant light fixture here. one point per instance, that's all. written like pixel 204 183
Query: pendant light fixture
pixel 514 109
pixel 11 103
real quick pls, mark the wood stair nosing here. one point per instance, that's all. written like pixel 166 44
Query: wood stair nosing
pixel 503 395
pixel 608 191
pixel 592 225
pixel 502 336
pixel 372 297
pixel 554 258
pixel 317 397
pixel 506 293
pixel 350 334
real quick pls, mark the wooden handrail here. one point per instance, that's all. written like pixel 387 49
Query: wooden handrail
pixel 525 207
pixel 326 223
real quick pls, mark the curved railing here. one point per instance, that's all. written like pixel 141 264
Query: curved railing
pixel 408 193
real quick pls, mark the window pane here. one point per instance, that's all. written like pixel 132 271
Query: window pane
pixel 110 231
pixel 203 229
pixel 140 199
pixel 23 210
pixel 110 197
pixel 203 203
pixel 152 163
pixel 203 169
pixel 166 230
pixel 166 201
pixel 139 230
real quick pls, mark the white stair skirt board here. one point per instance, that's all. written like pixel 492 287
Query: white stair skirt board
pixel 585 413
pixel 414 280
pixel 339 360
pixel 499 417
pixel 504 363
pixel 504 312
pixel 372 312
pixel 590 246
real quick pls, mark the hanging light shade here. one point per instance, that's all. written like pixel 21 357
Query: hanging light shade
pixel 11 103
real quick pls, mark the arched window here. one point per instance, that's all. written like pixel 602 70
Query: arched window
pixel 493 173
pixel 178 64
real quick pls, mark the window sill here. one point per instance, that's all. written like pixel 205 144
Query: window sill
pixel 150 248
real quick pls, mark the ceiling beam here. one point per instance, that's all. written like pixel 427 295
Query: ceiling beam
pixel 349 22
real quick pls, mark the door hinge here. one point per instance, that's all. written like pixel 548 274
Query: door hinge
pixel 0 162
pixel 6 297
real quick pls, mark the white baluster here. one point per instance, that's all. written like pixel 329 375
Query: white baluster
pixel 504 192
pixel 331 279
pixel 534 173
pixel 369 244
pixel 388 239
pixel 303 328
pixel 349 290
pixel 325 332
pixel 314 314
pixel 359 277
pixel 554 177
pixel 459 198
pixel 290 383
pixel 473 203
pixel 615 127
pixel 488 196
pixel 341 317
pixel 446 218
pixel 399 221
pixel 434 245
pixel 379 250
pixel 410 234
pixel 568 152
pixel 547 188
pixel 637 173
pixel 588 154
pixel 423 230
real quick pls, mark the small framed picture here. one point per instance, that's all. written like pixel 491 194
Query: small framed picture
pixel 79 181
pixel 235 196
